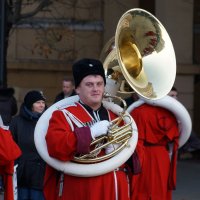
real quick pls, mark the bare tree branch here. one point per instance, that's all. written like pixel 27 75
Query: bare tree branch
pixel 15 6
pixel 16 10
pixel 43 4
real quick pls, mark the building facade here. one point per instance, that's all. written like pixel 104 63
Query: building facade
pixel 42 49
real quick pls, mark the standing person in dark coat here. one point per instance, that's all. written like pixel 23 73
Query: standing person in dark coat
pixel 31 167
pixel 67 90
pixel 8 105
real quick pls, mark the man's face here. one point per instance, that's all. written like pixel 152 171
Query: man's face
pixel 67 87
pixel 91 90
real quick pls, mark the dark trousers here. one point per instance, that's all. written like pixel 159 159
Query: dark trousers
pixel 30 194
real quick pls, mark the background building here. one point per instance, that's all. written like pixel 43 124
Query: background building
pixel 43 48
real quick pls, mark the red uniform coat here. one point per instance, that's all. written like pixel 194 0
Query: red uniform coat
pixel 9 151
pixel 156 128
pixel 62 144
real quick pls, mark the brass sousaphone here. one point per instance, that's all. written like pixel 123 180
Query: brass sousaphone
pixel 143 56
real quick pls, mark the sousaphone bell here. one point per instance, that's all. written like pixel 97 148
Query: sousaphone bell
pixel 141 54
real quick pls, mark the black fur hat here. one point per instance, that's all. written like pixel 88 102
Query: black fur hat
pixel 85 67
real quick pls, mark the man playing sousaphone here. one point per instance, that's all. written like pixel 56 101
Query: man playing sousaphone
pixel 71 131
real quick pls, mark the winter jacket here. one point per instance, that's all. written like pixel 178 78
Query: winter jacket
pixel 60 96
pixel 31 167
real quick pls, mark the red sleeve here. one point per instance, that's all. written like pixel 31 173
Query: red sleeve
pixel 84 139
pixel 61 141
pixel 9 150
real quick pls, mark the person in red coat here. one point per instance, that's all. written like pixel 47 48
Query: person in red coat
pixel 9 152
pixel 157 131
pixel 71 131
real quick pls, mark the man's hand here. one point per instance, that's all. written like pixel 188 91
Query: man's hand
pixel 99 128
pixel 111 147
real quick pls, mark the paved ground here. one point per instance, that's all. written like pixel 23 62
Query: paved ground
pixel 188 180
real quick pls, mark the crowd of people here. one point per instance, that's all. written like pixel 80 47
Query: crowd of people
pixel 150 173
